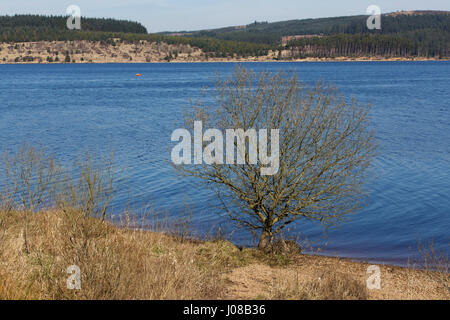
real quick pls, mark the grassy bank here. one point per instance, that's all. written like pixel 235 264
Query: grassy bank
pixel 124 262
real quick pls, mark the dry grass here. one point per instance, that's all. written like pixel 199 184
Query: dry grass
pixel 130 263
pixel 328 286
pixel 115 263
pixel 435 263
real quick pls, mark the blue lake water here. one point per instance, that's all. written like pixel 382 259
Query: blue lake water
pixel 68 108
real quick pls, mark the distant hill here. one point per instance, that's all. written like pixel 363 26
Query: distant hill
pixel 402 34
pixel 271 33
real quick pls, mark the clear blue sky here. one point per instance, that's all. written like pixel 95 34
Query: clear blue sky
pixel 162 15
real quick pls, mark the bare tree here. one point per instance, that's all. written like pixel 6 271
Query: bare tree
pixel 325 148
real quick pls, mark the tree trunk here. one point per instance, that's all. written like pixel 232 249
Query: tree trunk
pixel 265 239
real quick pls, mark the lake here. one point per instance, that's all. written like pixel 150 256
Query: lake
pixel 68 108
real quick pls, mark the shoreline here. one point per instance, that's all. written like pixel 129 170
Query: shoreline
pixel 367 260
pixel 312 60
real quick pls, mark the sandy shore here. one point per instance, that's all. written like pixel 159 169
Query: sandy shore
pixel 305 271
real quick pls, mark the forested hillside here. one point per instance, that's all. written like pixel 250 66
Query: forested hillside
pixel 418 33
pixel 271 33
pixel 410 35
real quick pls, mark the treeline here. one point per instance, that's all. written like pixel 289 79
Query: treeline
pixel 221 48
pixel 19 24
pixel 271 33
pixel 421 43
